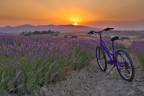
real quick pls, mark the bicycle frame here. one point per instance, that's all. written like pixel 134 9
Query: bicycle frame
pixel 111 55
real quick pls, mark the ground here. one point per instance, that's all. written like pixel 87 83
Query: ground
pixel 90 81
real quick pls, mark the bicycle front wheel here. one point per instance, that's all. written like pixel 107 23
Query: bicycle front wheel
pixel 101 58
pixel 125 65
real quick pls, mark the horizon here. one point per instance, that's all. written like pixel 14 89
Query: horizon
pixel 116 29
pixel 120 14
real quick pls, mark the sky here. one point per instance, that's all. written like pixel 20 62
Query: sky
pixel 122 14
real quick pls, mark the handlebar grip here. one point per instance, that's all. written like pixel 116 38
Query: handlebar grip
pixel 91 32
pixel 108 29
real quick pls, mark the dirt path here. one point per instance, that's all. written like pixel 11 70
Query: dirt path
pixel 90 81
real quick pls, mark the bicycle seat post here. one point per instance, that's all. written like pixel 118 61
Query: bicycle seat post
pixel 113 46
pixel 100 36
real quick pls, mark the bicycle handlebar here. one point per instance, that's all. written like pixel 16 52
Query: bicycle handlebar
pixel 106 29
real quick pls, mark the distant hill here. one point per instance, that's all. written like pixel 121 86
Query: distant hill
pixel 60 28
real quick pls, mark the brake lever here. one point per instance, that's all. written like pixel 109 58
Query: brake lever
pixel 90 33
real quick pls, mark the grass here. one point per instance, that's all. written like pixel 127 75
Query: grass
pixel 28 63
pixel 140 58
pixel 137 48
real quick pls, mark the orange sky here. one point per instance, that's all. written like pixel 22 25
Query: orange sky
pixel 89 12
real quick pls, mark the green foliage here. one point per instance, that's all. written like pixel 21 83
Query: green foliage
pixel 25 67
pixel 137 48
pixel 37 73
pixel 83 59
pixel 140 57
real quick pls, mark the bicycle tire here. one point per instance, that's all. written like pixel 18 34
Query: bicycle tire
pixel 101 63
pixel 126 65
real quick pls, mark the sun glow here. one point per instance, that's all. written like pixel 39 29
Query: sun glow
pixel 75 24
pixel 75 21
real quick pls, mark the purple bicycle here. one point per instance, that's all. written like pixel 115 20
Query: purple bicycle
pixel 118 58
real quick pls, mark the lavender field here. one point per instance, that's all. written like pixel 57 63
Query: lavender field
pixel 137 48
pixel 26 63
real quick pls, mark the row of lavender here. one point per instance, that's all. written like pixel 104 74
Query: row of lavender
pixel 29 62
pixel 137 48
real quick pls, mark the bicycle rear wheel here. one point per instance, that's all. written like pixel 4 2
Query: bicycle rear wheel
pixel 125 65
pixel 101 58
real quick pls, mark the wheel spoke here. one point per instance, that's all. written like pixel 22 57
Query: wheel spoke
pixel 125 65
pixel 125 70
pixel 101 58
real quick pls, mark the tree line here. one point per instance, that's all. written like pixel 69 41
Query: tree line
pixel 29 33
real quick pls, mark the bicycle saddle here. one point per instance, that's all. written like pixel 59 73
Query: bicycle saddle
pixel 113 38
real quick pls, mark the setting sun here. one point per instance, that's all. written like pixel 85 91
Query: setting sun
pixel 75 24
pixel 75 21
